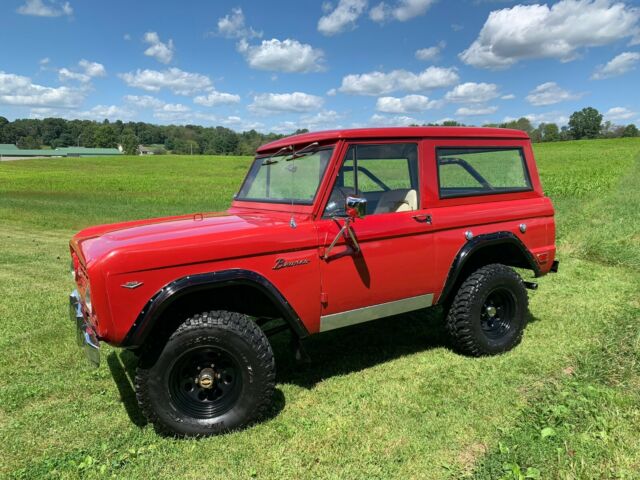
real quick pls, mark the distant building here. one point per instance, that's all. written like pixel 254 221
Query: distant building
pixel 11 151
pixel 88 152
pixel 142 150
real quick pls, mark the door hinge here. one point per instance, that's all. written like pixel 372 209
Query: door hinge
pixel 324 298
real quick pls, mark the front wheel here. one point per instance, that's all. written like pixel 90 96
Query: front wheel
pixel 216 373
pixel 489 312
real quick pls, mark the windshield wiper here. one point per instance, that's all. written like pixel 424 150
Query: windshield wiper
pixel 269 160
pixel 299 153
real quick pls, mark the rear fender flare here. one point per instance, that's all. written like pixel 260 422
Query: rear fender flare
pixel 475 245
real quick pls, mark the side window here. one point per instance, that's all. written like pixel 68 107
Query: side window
pixel 386 175
pixel 479 171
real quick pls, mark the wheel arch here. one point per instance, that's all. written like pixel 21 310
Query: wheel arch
pixel 498 247
pixel 211 291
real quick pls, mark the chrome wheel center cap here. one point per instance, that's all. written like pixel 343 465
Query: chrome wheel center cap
pixel 206 379
pixel 491 311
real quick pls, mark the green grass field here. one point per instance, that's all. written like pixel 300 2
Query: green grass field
pixel 383 400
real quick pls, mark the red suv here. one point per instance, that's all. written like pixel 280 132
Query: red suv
pixel 328 230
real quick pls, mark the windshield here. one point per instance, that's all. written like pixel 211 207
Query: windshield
pixel 285 178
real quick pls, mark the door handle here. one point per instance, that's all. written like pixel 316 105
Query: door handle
pixel 423 218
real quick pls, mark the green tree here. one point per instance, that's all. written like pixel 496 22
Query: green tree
pixel 522 123
pixel 630 131
pixel 536 133
pixel 105 136
pixel 586 123
pixel 28 142
pixel 130 144
pixel 550 132
pixel 3 125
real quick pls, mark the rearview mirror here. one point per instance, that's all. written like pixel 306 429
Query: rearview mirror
pixel 356 207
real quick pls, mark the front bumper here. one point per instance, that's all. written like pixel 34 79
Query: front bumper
pixel 86 335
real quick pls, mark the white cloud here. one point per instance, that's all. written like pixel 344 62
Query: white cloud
pixel 162 52
pixel 216 98
pixel 64 74
pixel 402 10
pixel 144 101
pixel 558 118
pixel 20 91
pixel 126 37
pixel 474 111
pixel 407 104
pixel 342 18
pixel 174 79
pixel 92 69
pixel 396 120
pixel 510 96
pixel 618 65
pixel 42 8
pixel 89 71
pixel 174 107
pixel 549 93
pixel 539 31
pixel 233 25
pixel 285 102
pixel 112 112
pixel 44 61
pixel 472 92
pixel 325 119
pixel 380 83
pixel 619 113
pixel 282 56
pixel 430 53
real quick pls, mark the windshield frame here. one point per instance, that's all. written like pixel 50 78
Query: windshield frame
pixel 262 157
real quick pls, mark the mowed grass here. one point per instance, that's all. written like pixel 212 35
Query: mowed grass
pixel 384 400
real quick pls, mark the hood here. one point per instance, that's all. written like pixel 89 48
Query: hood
pixel 172 241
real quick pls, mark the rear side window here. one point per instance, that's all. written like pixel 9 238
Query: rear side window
pixel 481 171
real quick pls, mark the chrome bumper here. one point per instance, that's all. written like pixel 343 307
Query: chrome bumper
pixel 86 336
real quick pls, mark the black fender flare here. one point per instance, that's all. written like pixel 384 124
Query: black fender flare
pixel 205 281
pixel 477 243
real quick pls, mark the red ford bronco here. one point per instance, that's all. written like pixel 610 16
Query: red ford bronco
pixel 328 230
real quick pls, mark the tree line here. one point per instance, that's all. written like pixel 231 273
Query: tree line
pixel 181 139
pixel 187 139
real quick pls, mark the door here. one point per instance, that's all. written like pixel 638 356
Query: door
pixel 390 273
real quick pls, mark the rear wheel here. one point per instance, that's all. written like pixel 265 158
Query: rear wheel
pixel 215 373
pixel 489 312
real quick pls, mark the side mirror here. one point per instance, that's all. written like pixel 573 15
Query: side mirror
pixel 356 207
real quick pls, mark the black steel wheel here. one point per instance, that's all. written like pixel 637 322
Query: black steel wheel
pixel 205 382
pixel 216 373
pixel 496 314
pixel 489 312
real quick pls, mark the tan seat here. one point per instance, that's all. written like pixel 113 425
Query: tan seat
pixel 400 200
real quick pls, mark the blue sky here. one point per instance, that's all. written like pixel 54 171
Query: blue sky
pixel 282 65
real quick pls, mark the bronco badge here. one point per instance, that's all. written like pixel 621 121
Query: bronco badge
pixel 282 263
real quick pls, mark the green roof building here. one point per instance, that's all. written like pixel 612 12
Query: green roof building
pixel 11 151
pixel 87 152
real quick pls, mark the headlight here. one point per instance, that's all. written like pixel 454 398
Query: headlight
pixel 73 270
pixel 87 299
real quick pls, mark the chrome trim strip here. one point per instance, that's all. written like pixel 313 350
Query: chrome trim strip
pixel 365 314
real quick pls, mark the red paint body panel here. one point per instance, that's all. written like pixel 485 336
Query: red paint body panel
pixel 400 257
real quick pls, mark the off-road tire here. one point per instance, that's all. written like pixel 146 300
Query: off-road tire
pixel 464 320
pixel 233 334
